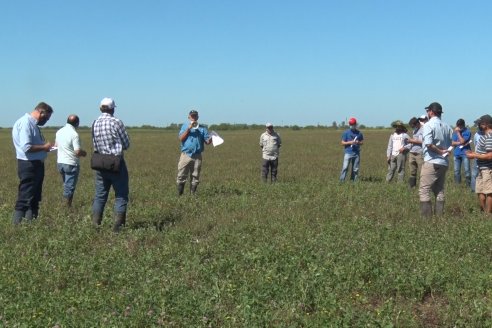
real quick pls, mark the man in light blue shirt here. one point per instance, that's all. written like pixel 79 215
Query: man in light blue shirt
pixel 193 137
pixel 436 149
pixel 31 150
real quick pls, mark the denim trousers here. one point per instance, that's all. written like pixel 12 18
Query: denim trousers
pixel 70 176
pixel 354 160
pixel 459 161
pixel 474 175
pixel 119 182
pixel 31 177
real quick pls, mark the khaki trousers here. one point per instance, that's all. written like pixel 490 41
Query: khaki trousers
pixel 432 177
pixel 189 166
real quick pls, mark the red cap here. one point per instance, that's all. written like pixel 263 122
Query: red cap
pixel 352 121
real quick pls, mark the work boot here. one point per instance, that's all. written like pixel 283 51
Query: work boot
pixel 31 214
pixel 97 219
pixel 193 189
pixel 426 209
pixel 120 221
pixel 181 188
pixel 412 182
pixel 68 201
pixel 18 216
pixel 439 208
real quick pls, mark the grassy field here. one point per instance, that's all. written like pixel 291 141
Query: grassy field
pixel 305 252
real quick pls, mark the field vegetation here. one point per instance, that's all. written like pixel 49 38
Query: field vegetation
pixel 305 252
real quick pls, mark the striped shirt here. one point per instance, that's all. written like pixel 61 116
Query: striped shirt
pixel 484 146
pixel 110 136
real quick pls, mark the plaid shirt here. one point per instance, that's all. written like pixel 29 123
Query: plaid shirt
pixel 109 135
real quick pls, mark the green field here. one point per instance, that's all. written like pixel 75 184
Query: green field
pixel 305 252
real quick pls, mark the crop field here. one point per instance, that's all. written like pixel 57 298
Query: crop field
pixel 305 252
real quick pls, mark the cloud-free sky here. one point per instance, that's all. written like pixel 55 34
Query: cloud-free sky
pixel 252 61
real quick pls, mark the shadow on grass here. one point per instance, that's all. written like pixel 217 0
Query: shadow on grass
pixel 371 179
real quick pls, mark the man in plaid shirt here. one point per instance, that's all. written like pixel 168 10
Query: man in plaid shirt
pixel 110 137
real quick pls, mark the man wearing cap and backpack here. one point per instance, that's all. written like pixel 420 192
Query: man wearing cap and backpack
pixel 352 139
pixel 193 137
pixel 436 147
pixel 109 137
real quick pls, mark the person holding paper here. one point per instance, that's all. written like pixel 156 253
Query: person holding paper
pixel 461 143
pixel 437 138
pixel 416 160
pixel 69 151
pixel 31 149
pixel 270 143
pixel 193 137
pixel 352 139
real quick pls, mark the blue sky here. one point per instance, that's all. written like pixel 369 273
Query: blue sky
pixel 285 62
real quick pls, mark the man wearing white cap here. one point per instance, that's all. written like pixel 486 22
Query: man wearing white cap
pixel 109 136
pixel 270 143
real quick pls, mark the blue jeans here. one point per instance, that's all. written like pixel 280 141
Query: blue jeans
pixel 458 161
pixel 353 159
pixel 119 182
pixel 474 175
pixel 31 176
pixel 70 175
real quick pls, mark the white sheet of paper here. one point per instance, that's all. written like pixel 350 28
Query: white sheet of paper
pixel 216 139
pixel 53 148
pixel 449 149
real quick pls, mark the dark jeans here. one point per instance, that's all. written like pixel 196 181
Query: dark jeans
pixel 31 176
pixel 269 165
pixel 120 184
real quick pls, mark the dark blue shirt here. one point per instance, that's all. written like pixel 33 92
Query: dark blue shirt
pixel 349 135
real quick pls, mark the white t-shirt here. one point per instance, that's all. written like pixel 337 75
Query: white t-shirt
pixel 67 141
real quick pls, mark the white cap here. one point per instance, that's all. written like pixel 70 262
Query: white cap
pixel 423 117
pixel 108 102
pixel 268 125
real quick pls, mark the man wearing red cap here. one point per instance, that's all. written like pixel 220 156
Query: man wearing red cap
pixel 352 139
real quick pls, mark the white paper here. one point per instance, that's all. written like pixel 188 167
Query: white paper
pixel 53 148
pixel 216 139
pixel 449 149
pixel 466 144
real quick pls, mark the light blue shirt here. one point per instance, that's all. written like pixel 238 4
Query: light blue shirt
pixel 25 134
pixel 437 133
pixel 194 144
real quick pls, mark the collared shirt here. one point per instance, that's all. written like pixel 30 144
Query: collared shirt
pixel 194 144
pixel 25 134
pixel 461 150
pixel 349 135
pixel 270 145
pixel 476 138
pixel 417 134
pixel 68 142
pixel 110 136
pixel 484 146
pixel 396 142
pixel 437 133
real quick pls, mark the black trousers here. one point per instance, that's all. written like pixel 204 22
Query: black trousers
pixel 31 176
pixel 269 165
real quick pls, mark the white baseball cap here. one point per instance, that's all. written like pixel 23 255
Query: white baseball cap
pixel 108 102
pixel 268 124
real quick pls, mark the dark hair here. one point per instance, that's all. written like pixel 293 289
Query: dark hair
pixel 413 121
pixel 106 109
pixel 44 107
pixel 460 122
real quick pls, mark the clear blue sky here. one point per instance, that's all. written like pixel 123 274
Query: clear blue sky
pixel 252 61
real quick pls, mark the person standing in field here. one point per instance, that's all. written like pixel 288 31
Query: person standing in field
pixel 415 154
pixel 31 150
pixel 461 143
pixel 437 136
pixel 109 136
pixel 483 156
pixel 352 139
pixel 193 137
pixel 270 143
pixel 69 151
pixel 474 164
pixel 397 150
